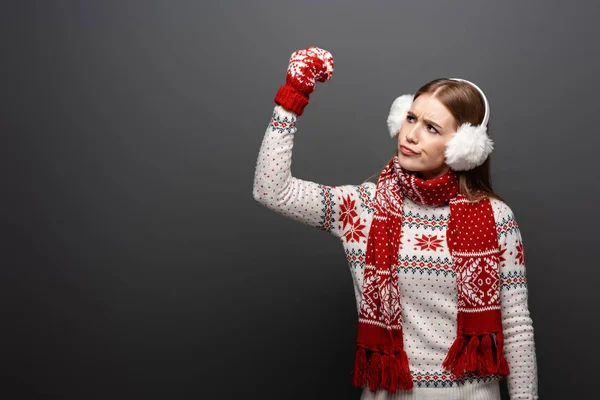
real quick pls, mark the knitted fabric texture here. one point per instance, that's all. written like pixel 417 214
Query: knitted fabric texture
pixel 305 68
pixel 381 361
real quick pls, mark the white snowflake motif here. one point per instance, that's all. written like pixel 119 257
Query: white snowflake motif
pixel 468 282
pixel 370 295
pixel 388 193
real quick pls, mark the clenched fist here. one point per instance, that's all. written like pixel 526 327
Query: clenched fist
pixel 305 68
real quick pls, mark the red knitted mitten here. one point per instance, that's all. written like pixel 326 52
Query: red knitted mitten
pixel 305 68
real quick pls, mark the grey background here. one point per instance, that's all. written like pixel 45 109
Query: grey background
pixel 135 262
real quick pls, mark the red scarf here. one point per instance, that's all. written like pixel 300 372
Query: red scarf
pixel 381 362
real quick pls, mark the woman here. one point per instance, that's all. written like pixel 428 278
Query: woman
pixel 436 256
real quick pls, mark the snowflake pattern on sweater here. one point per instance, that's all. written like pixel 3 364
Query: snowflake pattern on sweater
pixel 427 279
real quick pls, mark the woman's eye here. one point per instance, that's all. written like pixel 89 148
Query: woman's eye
pixel 432 128
pixel 409 118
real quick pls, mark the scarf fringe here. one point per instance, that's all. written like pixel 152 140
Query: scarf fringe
pixel 502 364
pixel 376 372
pixel 485 357
pixel 382 371
pixel 406 381
pixel 475 354
pixel 453 353
pixel 360 368
pixel 471 357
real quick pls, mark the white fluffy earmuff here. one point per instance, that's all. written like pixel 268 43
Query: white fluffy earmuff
pixel 468 148
pixel 398 112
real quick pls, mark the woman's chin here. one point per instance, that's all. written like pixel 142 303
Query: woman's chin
pixel 406 164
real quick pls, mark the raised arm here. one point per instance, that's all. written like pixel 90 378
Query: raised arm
pixel 517 325
pixel 334 209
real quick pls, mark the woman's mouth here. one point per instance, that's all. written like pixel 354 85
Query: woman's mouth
pixel 407 151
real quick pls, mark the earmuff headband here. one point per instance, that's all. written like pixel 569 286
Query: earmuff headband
pixel 486 117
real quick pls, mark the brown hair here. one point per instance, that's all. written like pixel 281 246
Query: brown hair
pixel 466 105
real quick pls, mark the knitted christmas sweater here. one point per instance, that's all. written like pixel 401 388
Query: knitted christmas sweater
pixel 427 280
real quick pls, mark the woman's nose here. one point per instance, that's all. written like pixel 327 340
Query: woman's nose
pixel 410 135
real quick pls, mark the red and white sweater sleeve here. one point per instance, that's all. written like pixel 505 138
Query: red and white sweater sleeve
pixel 517 325
pixel 334 209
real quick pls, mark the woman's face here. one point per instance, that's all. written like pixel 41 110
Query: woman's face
pixel 427 128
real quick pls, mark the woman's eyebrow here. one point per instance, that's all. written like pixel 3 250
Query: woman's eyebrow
pixel 432 123
pixel 426 120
